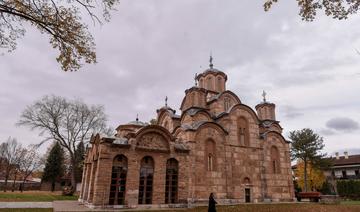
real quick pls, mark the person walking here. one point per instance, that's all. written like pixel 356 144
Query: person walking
pixel 212 203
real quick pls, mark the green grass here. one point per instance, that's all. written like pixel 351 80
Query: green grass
pixel 308 207
pixel 285 207
pixel 26 210
pixel 33 197
pixel 350 202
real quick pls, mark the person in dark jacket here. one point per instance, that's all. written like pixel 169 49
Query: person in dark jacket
pixel 212 203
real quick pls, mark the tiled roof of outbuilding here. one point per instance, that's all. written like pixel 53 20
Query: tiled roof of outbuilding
pixel 351 160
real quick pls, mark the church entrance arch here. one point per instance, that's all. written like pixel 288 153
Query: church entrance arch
pixel 118 181
pixel 146 180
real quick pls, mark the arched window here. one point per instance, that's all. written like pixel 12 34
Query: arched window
pixel 226 103
pixel 246 181
pixel 201 83
pixel 118 180
pixel 243 132
pixel 171 186
pixel 275 160
pixel 209 83
pixel 210 155
pixel 146 180
pixel 219 84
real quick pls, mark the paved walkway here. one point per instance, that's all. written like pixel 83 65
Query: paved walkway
pixel 75 206
pixel 26 204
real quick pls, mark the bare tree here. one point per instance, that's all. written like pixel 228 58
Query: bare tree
pixel 61 20
pixel 12 153
pixel 67 122
pixel 30 162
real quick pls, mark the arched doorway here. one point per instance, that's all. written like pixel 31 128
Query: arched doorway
pixel 118 180
pixel 171 186
pixel 146 180
pixel 246 183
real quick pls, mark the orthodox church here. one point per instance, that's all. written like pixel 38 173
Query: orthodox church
pixel 216 144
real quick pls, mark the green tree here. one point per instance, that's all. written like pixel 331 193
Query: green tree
pixel 337 9
pixel 61 20
pixel 79 157
pixel 54 167
pixel 306 146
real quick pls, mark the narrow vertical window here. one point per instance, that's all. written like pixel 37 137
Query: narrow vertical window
pixel 171 184
pixel 226 104
pixel 118 181
pixel 209 84
pixel 243 132
pixel 210 155
pixel 146 180
pixel 275 160
pixel 210 162
pixel 219 84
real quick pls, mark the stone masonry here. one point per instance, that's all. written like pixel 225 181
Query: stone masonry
pixel 217 144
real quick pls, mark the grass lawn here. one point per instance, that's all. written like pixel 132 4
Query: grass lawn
pixel 312 207
pixel 26 210
pixel 350 202
pixel 33 196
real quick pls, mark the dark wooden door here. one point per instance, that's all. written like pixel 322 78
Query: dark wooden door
pixel 247 195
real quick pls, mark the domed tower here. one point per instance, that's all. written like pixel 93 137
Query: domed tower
pixel 212 79
pixel 266 110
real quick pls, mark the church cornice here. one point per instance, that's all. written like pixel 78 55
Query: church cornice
pixel 213 71
pixel 192 111
pixel 197 125
pixel 247 108
pixel 265 134
pixel 267 123
pixel 218 96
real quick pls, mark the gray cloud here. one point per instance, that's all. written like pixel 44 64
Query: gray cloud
pixel 327 132
pixel 290 112
pixel 152 49
pixel 342 124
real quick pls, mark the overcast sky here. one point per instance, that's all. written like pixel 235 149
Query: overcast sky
pixel 152 49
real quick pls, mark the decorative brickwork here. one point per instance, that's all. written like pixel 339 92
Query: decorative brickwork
pixel 216 145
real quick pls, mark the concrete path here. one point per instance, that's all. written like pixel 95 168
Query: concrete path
pixel 75 206
pixel 26 204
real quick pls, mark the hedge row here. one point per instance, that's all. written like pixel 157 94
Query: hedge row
pixel 348 188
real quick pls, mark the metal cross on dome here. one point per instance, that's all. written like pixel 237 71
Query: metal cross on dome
pixel 211 59
pixel 166 98
pixel 264 96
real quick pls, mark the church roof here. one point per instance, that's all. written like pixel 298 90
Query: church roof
pixel 171 111
pixel 213 71
pixel 138 123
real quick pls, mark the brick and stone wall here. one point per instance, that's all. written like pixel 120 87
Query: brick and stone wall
pixel 209 144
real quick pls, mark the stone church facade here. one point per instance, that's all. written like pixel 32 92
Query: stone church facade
pixel 216 144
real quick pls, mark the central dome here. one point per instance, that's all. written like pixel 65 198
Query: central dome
pixel 212 79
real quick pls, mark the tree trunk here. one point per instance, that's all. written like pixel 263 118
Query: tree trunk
pixel 22 185
pixel 73 173
pixel 6 179
pixel 305 175
pixel 14 182
pixel 52 186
